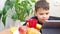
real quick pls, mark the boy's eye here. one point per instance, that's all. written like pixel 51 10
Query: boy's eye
pixel 41 14
pixel 47 13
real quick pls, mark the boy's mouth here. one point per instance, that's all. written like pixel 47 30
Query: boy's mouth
pixel 44 19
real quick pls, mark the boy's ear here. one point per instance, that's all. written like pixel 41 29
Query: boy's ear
pixel 35 13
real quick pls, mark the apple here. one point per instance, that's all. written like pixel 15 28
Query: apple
pixel 22 30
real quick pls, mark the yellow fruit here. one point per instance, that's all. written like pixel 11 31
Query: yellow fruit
pixel 33 31
pixel 13 29
pixel 38 26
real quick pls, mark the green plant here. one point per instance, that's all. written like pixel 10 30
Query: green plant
pixel 22 9
pixel 3 14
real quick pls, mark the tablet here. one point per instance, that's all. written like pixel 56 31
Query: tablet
pixel 51 24
pixel 51 27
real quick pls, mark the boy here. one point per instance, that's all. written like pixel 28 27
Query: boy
pixel 41 12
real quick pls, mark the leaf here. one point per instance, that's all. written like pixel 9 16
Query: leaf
pixel 33 0
pixel 14 16
pixel 5 9
pixel 4 19
pixel 8 5
pixel 0 14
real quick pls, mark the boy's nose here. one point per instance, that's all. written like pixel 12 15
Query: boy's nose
pixel 44 17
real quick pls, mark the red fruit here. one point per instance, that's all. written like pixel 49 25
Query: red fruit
pixel 22 30
pixel 32 23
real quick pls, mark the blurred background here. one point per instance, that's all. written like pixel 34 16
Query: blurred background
pixel 15 12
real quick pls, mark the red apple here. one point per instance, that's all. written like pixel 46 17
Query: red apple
pixel 22 30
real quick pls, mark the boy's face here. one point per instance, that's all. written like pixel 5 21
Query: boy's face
pixel 42 14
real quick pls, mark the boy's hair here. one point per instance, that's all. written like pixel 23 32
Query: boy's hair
pixel 42 4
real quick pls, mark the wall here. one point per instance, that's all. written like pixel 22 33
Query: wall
pixel 54 7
